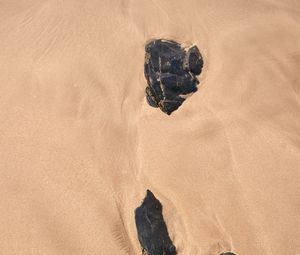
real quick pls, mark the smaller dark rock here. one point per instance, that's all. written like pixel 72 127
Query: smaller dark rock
pixel 227 253
pixel 151 228
pixel 194 61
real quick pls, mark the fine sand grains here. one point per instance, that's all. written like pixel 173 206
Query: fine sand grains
pixel 79 145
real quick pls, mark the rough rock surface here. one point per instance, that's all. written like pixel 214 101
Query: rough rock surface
pixel 151 228
pixel 170 71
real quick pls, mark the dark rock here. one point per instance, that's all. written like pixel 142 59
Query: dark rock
pixel 170 72
pixel 151 228
pixel 194 61
pixel 227 253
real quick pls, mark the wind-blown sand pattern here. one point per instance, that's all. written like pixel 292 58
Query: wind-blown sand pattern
pixel 79 145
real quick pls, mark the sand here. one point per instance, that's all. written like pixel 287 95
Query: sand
pixel 79 145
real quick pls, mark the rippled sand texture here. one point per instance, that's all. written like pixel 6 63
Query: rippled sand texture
pixel 79 145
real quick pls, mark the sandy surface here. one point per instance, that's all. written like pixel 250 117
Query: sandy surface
pixel 79 145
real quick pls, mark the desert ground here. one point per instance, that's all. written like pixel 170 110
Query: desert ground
pixel 79 145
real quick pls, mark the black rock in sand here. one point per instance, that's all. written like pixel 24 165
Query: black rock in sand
pixel 170 71
pixel 151 228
